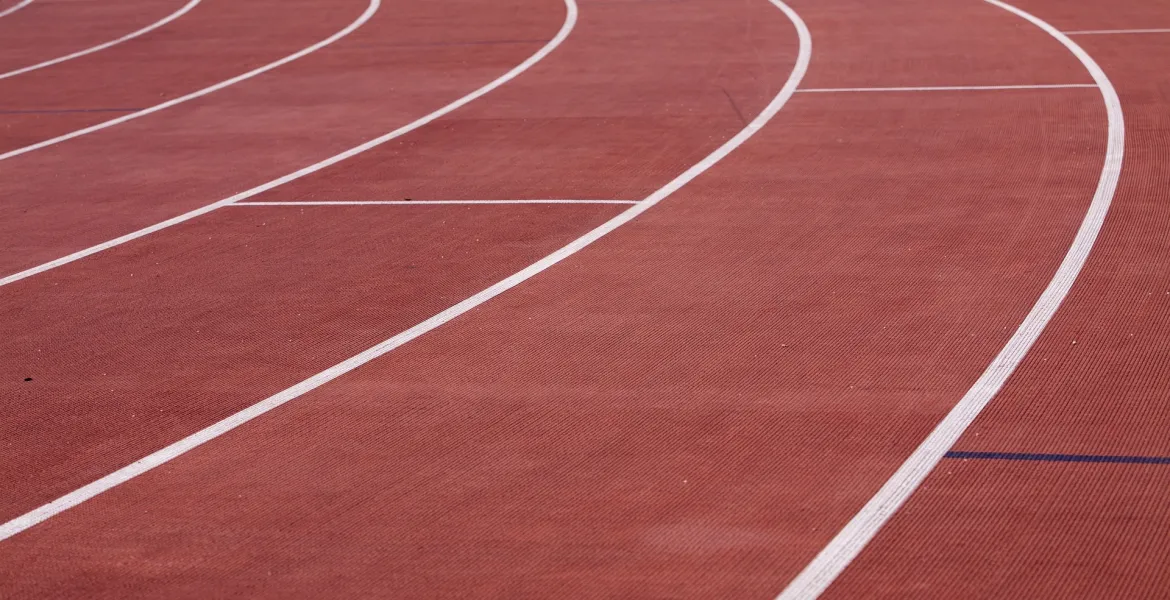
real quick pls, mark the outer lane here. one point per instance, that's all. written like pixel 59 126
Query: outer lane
pixel 1095 384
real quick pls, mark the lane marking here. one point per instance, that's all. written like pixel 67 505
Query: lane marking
pixel 570 22
pixel 48 63
pixel 361 20
pixel 1115 31
pixel 164 455
pixel 12 9
pixel 425 202
pixel 848 543
pixel 1077 458
pixel 61 111
pixel 949 88
pixel 466 43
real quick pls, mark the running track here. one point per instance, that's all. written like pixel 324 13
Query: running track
pixel 696 404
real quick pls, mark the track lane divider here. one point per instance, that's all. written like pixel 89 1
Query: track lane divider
pixel 569 23
pixel 149 28
pixel 203 436
pixel 12 9
pixel 425 202
pixel 361 20
pixel 832 560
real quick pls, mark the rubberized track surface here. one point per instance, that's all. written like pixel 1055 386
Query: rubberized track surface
pixel 758 305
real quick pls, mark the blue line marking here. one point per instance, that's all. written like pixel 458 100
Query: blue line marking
pixel 51 111
pixel 1082 458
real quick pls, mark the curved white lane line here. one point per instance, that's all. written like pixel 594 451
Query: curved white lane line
pixel 832 560
pixel 570 21
pixel 361 20
pixel 12 9
pixel 160 457
pixel 167 19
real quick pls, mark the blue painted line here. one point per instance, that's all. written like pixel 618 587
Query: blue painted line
pixel 1081 458
pixel 66 110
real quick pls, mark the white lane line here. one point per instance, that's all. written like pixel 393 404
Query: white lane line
pixel 425 202
pixel 365 16
pixel 949 88
pixel 570 21
pixel 160 457
pixel 836 556
pixel 12 9
pixel 167 19
pixel 1115 31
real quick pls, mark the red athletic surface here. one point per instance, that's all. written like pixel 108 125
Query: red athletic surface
pixel 47 29
pixel 691 407
pixel 1096 383
pixel 216 40
pixel 142 172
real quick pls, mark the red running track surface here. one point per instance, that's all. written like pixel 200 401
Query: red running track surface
pixel 216 40
pixel 690 407
pixel 125 177
pixel 47 29
pixel 1096 384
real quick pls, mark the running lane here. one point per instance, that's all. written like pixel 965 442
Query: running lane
pixel 47 29
pixel 1065 491
pixel 189 288
pixel 216 40
pixel 134 348
pixel 577 133
pixel 689 407
pixel 409 59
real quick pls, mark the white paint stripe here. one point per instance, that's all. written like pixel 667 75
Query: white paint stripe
pixel 178 448
pixel 832 560
pixel 948 88
pixel 1115 31
pixel 425 202
pixel 365 16
pixel 570 21
pixel 171 17
pixel 12 9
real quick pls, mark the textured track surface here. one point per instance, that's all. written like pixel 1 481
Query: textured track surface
pixel 46 29
pixel 693 406
pixel 1058 524
pixel 216 40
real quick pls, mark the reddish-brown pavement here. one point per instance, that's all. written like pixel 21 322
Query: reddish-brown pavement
pixel 217 40
pixel 143 345
pixel 640 93
pixel 47 29
pixel 1096 384
pixel 693 405
pixel 198 321
pixel 377 79
pixel 563 163
pixel 911 43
